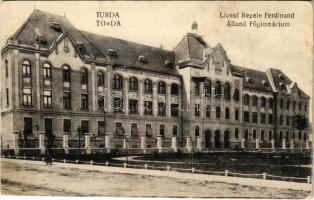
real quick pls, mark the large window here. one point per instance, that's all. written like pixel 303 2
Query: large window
pixel 294 105
pixel 28 126
pixel 236 114
pixel 117 104
pixel 270 119
pixel 100 79
pixel 161 109
pixel 288 120
pixel 134 131
pixel 217 112
pixel 84 76
pixel 263 118
pixel 149 132
pixel 263 102
pixel 47 98
pixel 162 130
pixel 119 129
pixel 262 135
pixel 174 110
pixel 254 100
pixel 67 100
pixel 148 86
pixel 197 131
pixel 67 126
pixel 85 126
pixel 208 111
pixel 197 110
pixel 27 69
pixel 246 99
pixel 148 108
pixel 236 95
pixel 66 73
pixel 271 103
pixel 196 88
pixel 117 82
pixel 133 84
pixel 207 88
pixel 27 96
pixel 174 130
pixel 84 101
pixel 174 89
pixel 133 106
pixel 254 117
pixel 288 104
pixel 47 71
pixel 227 113
pixel 6 68
pixel 281 120
pixel 246 116
pixel 101 128
pixel 227 91
pixel 217 89
pixel 7 96
pixel 236 133
pixel 161 87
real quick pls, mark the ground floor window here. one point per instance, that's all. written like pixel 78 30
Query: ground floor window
pixel 236 133
pixel 28 127
pixel 101 128
pixel 162 130
pixel 84 101
pixel 119 129
pixel 262 135
pixel 85 126
pixel 67 126
pixel 149 132
pixel 175 130
pixel 134 132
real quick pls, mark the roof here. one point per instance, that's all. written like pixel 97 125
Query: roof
pixel 95 45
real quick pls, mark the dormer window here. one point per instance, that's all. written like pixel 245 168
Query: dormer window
pixel 41 39
pixel 81 48
pixel 282 86
pixel 112 53
pixel 142 59
pixel 265 83
pixel 168 63
pixel 249 80
pixel 281 77
pixel 56 26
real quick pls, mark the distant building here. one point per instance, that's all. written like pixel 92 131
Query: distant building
pixel 53 76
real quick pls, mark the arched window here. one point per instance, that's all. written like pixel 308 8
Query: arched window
pixel 133 84
pixel 246 99
pixel 117 82
pixel 227 91
pixel 207 88
pixel 47 71
pixel 84 76
pixel 236 95
pixel 174 89
pixel 227 113
pixel 208 111
pixel 197 131
pixel 148 86
pixel 254 100
pixel 100 78
pixel 217 89
pixel 6 68
pixel 263 102
pixel 288 104
pixel 27 69
pixel 218 112
pixel 271 103
pixel 66 73
pixel 161 87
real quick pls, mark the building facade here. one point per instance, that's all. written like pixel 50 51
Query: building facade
pixel 58 80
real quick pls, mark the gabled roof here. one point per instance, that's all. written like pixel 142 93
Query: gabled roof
pixel 95 45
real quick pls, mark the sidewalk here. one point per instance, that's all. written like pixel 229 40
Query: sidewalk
pixel 189 176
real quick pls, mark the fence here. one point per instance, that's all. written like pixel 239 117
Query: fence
pixel 145 166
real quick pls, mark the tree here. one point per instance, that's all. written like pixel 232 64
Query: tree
pixel 299 121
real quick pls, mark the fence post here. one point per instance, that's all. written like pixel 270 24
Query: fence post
pixel 91 162
pixel 124 165
pixel 41 141
pixel 145 166
pixel 24 157
pixel 65 142
pixel 174 143
pixel 87 143
pixel 143 143
pixel 257 143
pixel 188 144
pixel 193 170
pixel 107 142
pixel 264 175
pixel 199 143
pixel 273 143
pixel 243 143
pixel 107 163
pixel 77 161
pixel 64 160
pixel 159 144
pixel 16 142
pixel 291 144
pixel 284 144
pixel 168 168
pixel 308 178
pixel 226 172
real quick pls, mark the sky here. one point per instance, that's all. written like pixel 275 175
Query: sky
pixel 165 23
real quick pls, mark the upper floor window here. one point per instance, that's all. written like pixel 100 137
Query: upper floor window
pixel 246 99
pixel 217 89
pixel 305 107
pixel 162 130
pixel 148 86
pixel 27 69
pixel 197 110
pixel 197 88
pixel 174 107
pixel 271 103
pixel 227 113
pixel 100 78
pixel 148 108
pixel 217 112
pixel 133 84
pixel 174 89
pixel 6 68
pixel 27 96
pixel 67 100
pixel 84 76
pixel 263 102
pixel 227 91
pixel 117 82
pixel 281 103
pixel 47 98
pixel 174 130
pixel 208 111
pixel 300 106
pixel 161 87
pixel 236 95
pixel 47 71
pixel 288 104
pixel 66 73
pixel 197 131
pixel 236 114
pixel 254 100
pixel 84 101
pixel 294 105
pixel 207 88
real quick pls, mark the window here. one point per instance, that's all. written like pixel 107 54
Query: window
pixel 270 118
pixel 305 107
pixel 117 82
pixel 7 96
pixel 66 73
pixel 67 100
pixel 134 132
pixel 174 130
pixel 271 103
pixel 288 120
pixel 27 71
pixel 174 110
pixel 227 113
pixel 207 88
pixel 85 126
pixel 280 135
pixel 236 95
pixel 119 129
pixel 227 91
pixel 288 104
pixel 67 126
pixel 161 87
pixel 218 112
pixel 287 135
pixel 263 102
pixel 246 134
pixel 47 71
pixel 174 89
pixel 197 110
pixel 262 135
pixel 27 97
pixel 84 76
pixel 148 86
pixel 6 68
pixel 270 135
pixel 254 134
pixel 148 132
pixel 161 109
pixel 294 105
pixel 304 136
pixel 236 133
pixel 263 118
pixel 254 117
pixel 217 89
pixel 133 84
pixel 117 104
pixel 236 114
pixel 254 100
pixel 293 135
pixel 246 116
pixel 84 101
pixel 47 98
pixel 28 126
pixel 101 128
pixel 208 111
pixel 162 130
pixel 281 120
pixel 197 131
pixel 133 106
pixel 300 106
pixel 246 99
pixel 100 79
pixel 148 108
pixel 197 88
pixel 100 102
pixel 281 103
